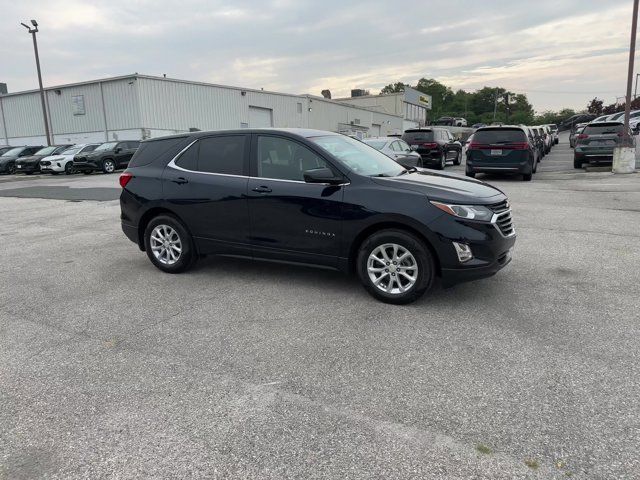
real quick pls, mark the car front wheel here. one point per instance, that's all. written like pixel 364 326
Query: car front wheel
pixel 395 266
pixel 108 166
pixel 456 161
pixel 169 245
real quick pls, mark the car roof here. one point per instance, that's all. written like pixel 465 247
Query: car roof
pixel 605 124
pixel 386 139
pixel 300 132
pixel 498 127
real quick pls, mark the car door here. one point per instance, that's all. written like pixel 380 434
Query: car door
pixel 127 149
pixel 206 187
pixel 291 219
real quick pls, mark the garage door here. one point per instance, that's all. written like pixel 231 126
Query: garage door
pixel 375 130
pixel 260 117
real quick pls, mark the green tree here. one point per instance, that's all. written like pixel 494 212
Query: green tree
pixel 394 87
pixel 595 106
pixel 441 95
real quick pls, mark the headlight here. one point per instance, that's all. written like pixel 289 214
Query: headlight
pixel 468 212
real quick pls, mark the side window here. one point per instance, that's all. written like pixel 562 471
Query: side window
pixel 88 148
pixel 395 146
pixel 189 158
pixel 404 146
pixel 284 159
pixel 224 154
pixel 134 144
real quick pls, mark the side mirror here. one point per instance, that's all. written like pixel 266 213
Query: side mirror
pixel 321 175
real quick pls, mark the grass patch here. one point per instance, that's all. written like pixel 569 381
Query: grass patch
pixel 531 463
pixel 484 449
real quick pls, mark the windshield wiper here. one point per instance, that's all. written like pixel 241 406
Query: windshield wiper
pixel 408 170
pixel 380 175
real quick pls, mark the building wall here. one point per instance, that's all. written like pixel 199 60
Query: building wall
pixel 391 104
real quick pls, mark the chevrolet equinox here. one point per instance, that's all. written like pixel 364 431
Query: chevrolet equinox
pixel 315 198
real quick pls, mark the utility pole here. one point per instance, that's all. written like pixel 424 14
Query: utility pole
pixel 624 156
pixel 33 32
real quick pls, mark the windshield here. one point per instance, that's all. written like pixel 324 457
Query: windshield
pixel 377 144
pixel 107 146
pixel 418 136
pixel 500 135
pixel 13 152
pixel 46 151
pixel 607 128
pixel 358 156
pixel 71 151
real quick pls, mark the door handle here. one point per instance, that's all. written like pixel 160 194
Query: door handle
pixel 180 180
pixel 262 189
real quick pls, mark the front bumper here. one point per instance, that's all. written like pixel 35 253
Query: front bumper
pixel 27 167
pixel 86 165
pixel 54 166
pixel 490 247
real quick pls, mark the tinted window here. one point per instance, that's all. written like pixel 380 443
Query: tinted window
pixel 285 159
pixel 189 158
pixel 418 136
pixel 594 129
pixel 222 155
pixel 153 150
pixel 404 146
pixel 89 148
pixel 499 135
pixel 133 144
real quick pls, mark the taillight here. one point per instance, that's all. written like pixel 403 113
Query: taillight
pixel 430 145
pixel 517 146
pixel 582 136
pixel 125 178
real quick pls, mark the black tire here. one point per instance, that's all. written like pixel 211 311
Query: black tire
pixel 442 163
pixel 29 173
pixel 54 173
pixel 423 260
pixel 87 172
pixel 527 177
pixel 555 141
pixel 470 174
pixel 68 168
pixel 577 163
pixel 11 168
pixel 188 255
pixel 108 166
pixel 457 161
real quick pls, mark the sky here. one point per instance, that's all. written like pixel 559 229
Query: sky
pixel 561 53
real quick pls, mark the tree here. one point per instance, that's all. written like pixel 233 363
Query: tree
pixel 595 106
pixel 394 87
pixel 441 94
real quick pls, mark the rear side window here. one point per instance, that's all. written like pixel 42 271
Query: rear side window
pixel 224 154
pixel 500 135
pixel 603 129
pixel 149 151
pixel 420 136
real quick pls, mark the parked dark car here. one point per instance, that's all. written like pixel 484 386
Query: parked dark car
pixel 8 159
pixel 312 197
pixel 596 142
pixel 31 164
pixel 539 142
pixel 436 146
pixel 107 158
pixel 4 149
pixel 574 133
pixel 501 149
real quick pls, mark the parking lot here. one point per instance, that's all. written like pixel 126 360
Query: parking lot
pixel 109 367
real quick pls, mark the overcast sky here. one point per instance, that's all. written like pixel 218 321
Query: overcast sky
pixel 560 52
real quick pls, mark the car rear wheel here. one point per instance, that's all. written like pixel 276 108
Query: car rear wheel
pixel 395 267
pixel 456 161
pixel 577 163
pixel 469 173
pixel 527 177
pixel 11 169
pixel 169 245
pixel 442 163
pixel 68 168
pixel 108 166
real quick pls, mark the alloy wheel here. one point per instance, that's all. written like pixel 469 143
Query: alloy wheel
pixel 166 244
pixel 109 166
pixel 392 268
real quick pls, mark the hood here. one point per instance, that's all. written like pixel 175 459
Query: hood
pixel 445 187
pixel 53 158
pixel 31 158
pixel 7 159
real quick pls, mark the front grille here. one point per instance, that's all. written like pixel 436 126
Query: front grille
pixel 504 222
pixel 45 162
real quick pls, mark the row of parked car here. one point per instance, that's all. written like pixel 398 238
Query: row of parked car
pixel 490 149
pixel 67 158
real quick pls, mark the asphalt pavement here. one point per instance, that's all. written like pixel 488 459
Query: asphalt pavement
pixel 238 369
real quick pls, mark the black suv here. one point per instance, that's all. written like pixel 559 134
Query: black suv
pixel 312 197
pixel 8 158
pixel 436 146
pixel 31 163
pixel 107 158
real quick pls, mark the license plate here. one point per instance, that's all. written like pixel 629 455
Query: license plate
pixel 18 166
pixel 496 152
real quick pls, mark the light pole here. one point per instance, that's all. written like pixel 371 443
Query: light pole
pixel 33 32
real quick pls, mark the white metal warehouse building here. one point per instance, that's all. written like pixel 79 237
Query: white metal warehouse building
pixel 137 107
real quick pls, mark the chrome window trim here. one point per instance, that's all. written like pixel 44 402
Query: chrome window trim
pixel 172 164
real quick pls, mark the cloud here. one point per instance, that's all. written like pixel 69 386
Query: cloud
pixel 303 47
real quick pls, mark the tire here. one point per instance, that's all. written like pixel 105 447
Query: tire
pixel 68 168
pixel 87 172
pixel 555 141
pixel 54 173
pixel 29 173
pixel 108 166
pixel 456 161
pixel 11 169
pixel 442 163
pixel 526 177
pixel 577 163
pixel 175 231
pixel 419 257
pixel 534 169
pixel 470 174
